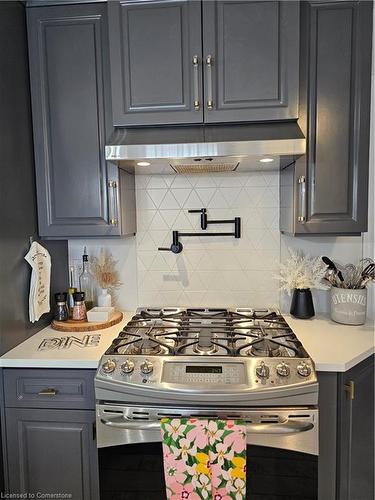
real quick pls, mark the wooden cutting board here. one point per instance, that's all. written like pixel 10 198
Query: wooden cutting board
pixel 86 326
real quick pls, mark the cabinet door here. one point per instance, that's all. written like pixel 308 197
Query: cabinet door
pixel 356 424
pixel 251 51
pixel 52 451
pixel 335 92
pixel 155 78
pixel 68 51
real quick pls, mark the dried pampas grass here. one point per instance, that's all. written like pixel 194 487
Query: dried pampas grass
pixel 301 272
pixel 103 268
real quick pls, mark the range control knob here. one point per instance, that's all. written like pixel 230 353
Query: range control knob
pixel 262 370
pixel 283 369
pixel 303 369
pixel 109 366
pixel 147 367
pixel 127 366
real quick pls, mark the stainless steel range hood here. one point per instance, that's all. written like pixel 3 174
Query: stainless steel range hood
pixel 208 148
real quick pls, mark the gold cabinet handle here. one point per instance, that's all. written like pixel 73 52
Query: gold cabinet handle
pixel 48 391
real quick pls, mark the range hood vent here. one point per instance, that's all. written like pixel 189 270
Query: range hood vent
pixel 202 166
pixel 206 148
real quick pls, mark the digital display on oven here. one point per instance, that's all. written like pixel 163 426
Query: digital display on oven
pixel 204 369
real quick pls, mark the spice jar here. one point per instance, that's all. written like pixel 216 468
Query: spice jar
pixel 70 300
pixel 79 308
pixel 61 312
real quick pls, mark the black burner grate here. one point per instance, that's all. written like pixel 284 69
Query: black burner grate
pixel 207 331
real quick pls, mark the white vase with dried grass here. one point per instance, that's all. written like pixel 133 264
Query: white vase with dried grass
pixel 104 270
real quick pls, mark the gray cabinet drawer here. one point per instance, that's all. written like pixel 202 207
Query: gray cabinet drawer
pixel 49 388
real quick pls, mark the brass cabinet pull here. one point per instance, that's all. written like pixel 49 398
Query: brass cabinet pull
pixel 210 102
pixel 112 192
pixel 349 389
pixel 196 82
pixel 302 198
pixel 48 391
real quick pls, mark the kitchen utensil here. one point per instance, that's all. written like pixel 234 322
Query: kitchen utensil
pixel 369 270
pixel 333 272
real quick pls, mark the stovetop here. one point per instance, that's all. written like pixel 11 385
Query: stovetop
pixel 207 332
pixel 215 356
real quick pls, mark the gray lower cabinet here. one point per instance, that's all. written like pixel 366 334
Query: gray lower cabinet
pixel 346 444
pixel 156 62
pixel 48 428
pixel 326 190
pixel 356 427
pixel 52 451
pixel 248 52
pixel 78 193
pixel 251 59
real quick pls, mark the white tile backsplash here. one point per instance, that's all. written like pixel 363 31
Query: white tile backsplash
pixel 217 271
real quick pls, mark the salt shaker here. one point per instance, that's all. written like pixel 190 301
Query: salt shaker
pixel 61 313
pixel 79 308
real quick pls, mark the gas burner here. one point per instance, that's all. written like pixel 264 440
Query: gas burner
pixel 206 332
pixel 146 346
pixel 205 343
pixel 266 348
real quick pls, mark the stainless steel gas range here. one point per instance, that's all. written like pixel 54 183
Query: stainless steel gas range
pixel 216 363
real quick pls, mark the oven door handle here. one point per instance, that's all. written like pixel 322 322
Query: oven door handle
pixel 289 426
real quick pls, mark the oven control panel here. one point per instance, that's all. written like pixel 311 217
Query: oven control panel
pixel 162 372
pixel 204 373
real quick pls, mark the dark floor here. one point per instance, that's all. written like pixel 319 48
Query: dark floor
pixel 135 472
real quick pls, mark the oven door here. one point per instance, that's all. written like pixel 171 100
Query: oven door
pixel 281 453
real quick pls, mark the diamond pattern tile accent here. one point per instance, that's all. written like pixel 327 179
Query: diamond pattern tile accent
pixel 216 271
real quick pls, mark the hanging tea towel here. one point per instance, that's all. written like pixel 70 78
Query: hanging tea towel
pixel 40 262
pixel 204 459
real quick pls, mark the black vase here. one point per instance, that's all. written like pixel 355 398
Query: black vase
pixel 302 304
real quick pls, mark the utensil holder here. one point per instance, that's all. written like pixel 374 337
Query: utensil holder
pixel 302 304
pixel 348 306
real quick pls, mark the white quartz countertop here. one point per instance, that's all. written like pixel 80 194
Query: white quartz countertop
pixel 333 347
pixel 46 348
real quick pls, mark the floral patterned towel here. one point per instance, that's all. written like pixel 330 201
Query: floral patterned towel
pixel 204 459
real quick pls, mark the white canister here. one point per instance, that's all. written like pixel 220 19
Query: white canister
pixel 348 306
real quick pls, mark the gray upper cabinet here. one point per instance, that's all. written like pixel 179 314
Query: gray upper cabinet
pixel 248 52
pixel 327 190
pixel 155 52
pixel 78 193
pixel 251 59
